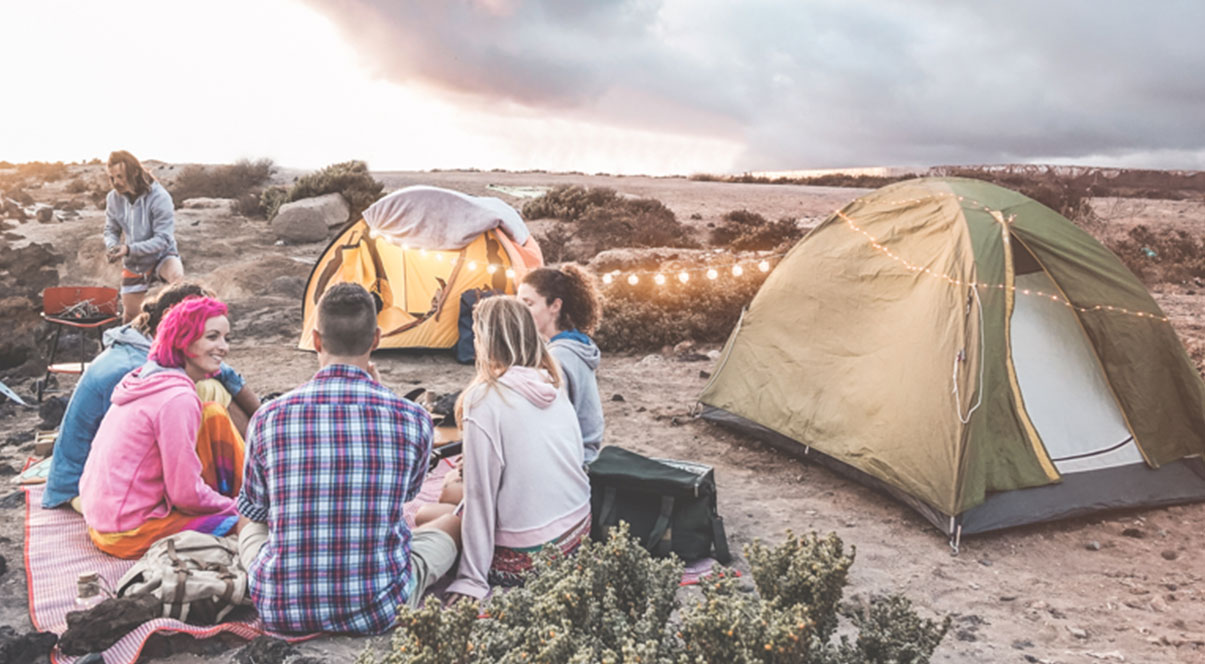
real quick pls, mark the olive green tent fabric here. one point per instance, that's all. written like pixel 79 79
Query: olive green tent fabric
pixel 882 340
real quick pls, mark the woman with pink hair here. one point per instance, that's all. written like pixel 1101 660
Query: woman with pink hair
pixel 162 461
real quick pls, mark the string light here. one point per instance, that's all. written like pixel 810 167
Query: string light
pixel 712 274
pixel 1053 297
pixel 492 268
pixel 472 266
pixel 659 279
pixel 684 276
pixel 764 266
pixel 607 278
pixel 510 273
pixel 737 270
pixel 633 279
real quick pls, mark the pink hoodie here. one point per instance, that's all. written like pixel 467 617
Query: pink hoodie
pixel 524 484
pixel 143 462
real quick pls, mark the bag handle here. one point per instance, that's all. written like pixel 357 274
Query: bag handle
pixel 606 514
pixel 658 544
pixel 720 540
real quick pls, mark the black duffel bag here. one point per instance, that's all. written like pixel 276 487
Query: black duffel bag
pixel 670 505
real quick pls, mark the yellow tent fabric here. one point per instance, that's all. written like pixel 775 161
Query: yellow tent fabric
pixel 419 290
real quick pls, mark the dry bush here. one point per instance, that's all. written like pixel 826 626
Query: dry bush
pixel 350 178
pixel 32 174
pixel 599 218
pixel 1165 255
pixel 742 230
pixel 646 317
pixel 77 186
pixel 227 181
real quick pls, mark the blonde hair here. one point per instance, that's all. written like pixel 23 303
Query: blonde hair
pixel 505 336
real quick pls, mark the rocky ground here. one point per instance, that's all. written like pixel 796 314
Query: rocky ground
pixel 1126 587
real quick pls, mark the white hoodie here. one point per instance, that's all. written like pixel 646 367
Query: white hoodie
pixel 524 484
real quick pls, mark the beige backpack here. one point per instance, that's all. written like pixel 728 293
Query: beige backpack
pixel 197 576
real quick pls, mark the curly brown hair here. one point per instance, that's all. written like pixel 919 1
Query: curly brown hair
pixel 581 303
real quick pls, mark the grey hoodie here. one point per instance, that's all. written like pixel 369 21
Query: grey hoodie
pixel 127 335
pixel 578 362
pixel 148 225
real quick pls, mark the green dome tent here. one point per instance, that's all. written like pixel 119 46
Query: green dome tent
pixel 974 354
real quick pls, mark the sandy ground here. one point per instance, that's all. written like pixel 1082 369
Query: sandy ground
pixel 1073 591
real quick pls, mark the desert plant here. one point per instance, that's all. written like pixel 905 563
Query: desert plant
pixel 808 571
pixel 611 602
pixel 889 632
pixel 225 181
pixel 646 317
pixel 742 230
pixel 349 178
pixel 600 218
pixel 1163 255
pixel 77 186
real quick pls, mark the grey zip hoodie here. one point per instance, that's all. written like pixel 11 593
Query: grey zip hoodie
pixel 578 362
pixel 148 224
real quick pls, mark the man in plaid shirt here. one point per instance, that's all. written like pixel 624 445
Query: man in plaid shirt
pixel 328 468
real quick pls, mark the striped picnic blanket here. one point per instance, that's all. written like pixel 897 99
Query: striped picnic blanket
pixel 57 551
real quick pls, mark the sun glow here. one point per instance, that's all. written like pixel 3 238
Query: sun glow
pixel 218 81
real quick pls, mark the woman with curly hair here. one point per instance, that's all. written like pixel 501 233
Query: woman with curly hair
pixel 565 303
pixel 162 461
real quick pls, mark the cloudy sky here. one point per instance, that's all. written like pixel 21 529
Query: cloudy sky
pixel 621 86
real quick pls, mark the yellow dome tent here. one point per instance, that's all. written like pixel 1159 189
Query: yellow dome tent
pixel 417 250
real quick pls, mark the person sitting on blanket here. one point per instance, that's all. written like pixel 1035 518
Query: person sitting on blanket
pixel 565 304
pixel 126 348
pixel 162 461
pixel 525 485
pixel 329 466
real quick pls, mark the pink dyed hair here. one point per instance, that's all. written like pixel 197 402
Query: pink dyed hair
pixel 182 325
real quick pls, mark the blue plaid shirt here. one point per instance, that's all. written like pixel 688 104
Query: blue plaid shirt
pixel 328 468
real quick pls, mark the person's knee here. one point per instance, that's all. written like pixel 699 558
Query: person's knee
pixel 172 270
pixel 430 512
pixel 448 523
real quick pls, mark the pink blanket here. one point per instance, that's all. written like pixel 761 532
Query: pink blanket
pixel 57 551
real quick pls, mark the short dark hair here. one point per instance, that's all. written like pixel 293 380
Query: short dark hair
pixel 347 320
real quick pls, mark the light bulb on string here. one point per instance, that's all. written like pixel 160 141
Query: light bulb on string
pixel 439 257
pixel 737 270
pixel 712 274
pixel 422 252
pixel 472 265
pixel 764 266
pixel 492 268
pixel 405 247
pixel 607 278
pixel 659 279
pixel 374 233
pixel 684 276
pixel 633 279
pixel 510 273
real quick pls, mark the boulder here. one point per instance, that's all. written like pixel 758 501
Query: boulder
pixel 310 219
pixel 201 203
pixel 45 215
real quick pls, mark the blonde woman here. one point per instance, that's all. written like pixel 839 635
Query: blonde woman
pixel 524 483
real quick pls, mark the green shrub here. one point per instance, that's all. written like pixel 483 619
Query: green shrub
pixel 226 181
pixel 742 230
pixel 611 602
pixel 271 199
pixel 647 317
pixel 350 178
pixel 807 572
pixel 570 202
pixel 889 632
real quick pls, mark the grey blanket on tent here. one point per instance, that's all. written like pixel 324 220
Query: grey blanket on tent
pixel 441 219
